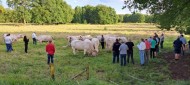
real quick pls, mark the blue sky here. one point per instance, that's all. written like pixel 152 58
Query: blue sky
pixel 116 4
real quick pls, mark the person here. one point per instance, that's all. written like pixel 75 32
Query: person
pixel 150 39
pixel 50 49
pixel 141 46
pixel 8 42
pixel 189 44
pixel 34 38
pixel 123 53
pixel 161 40
pixel 26 43
pixel 130 45
pixel 177 48
pixel 152 48
pixel 80 38
pixel 147 51
pixel 102 42
pixel 183 40
pixel 115 50
pixel 157 44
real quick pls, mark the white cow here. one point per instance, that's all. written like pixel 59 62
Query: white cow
pixel 44 38
pixel 96 43
pixel 109 43
pixel 122 39
pixel 14 37
pixel 85 45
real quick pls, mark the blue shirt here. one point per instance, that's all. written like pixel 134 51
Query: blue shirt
pixel 183 40
pixel 123 48
pixel 177 44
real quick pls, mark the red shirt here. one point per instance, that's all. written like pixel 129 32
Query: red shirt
pixel 147 45
pixel 50 49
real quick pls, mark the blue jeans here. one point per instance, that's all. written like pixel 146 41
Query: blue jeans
pixel 9 47
pixel 115 57
pixel 123 59
pixel 50 57
pixel 142 55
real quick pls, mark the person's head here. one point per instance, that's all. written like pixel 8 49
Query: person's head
pixel 150 37
pixel 8 34
pixel 102 35
pixel 182 35
pixel 142 39
pixel 146 39
pixel 117 40
pixel 25 37
pixel 50 41
pixel 162 34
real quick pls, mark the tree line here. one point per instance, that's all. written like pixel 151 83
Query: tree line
pixel 59 12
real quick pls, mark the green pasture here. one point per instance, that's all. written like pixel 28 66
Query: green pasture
pixel 19 68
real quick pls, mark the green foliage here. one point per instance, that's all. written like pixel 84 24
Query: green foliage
pixel 134 18
pixel 170 13
pixel 120 18
pixel 100 14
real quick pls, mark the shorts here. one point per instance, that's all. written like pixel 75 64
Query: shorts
pixel 177 51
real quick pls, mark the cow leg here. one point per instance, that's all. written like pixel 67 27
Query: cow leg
pixel 74 52
pixel 85 51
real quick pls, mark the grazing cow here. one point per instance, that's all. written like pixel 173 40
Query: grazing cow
pixel 109 43
pixel 87 37
pixel 96 43
pixel 44 38
pixel 122 39
pixel 85 45
pixel 14 37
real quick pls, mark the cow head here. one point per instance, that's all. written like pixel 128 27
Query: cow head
pixel 94 53
pixel 20 35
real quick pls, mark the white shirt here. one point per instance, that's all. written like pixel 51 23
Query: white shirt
pixel 141 46
pixel 8 40
pixel 34 35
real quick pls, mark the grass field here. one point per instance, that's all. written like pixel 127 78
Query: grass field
pixel 18 68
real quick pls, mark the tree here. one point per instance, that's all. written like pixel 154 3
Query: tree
pixel 78 16
pixel 21 8
pixel 169 13
pixel 120 18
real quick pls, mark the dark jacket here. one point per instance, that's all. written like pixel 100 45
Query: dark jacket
pixel 26 41
pixel 116 46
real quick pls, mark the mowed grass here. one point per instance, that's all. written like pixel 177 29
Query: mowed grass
pixel 19 68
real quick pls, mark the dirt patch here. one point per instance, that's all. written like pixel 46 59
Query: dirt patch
pixel 180 70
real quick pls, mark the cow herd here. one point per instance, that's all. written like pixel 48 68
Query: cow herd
pixel 90 45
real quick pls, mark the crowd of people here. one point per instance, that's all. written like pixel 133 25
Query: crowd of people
pixel 122 51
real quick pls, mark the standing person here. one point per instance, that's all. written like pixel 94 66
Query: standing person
pixel 147 51
pixel 115 50
pixel 130 45
pixel 50 49
pixel 161 40
pixel 26 43
pixel 141 46
pixel 177 48
pixel 189 44
pixel 8 42
pixel 123 53
pixel 102 41
pixel 157 44
pixel 153 48
pixel 150 39
pixel 183 40
pixel 34 38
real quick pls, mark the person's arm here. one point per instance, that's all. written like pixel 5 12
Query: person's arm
pixel 46 48
pixel 53 48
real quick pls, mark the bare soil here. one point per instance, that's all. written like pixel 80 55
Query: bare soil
pixel 180 70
